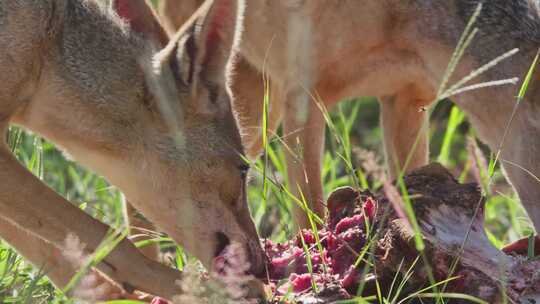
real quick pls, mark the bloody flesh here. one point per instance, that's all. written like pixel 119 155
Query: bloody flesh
pixel 304 263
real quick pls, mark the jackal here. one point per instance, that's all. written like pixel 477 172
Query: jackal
pixel 398 51
pixel 152 116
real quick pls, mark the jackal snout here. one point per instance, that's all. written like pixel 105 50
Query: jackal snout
pixel 212 210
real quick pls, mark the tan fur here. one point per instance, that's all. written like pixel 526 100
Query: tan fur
pixel 156 124
pixel 397 51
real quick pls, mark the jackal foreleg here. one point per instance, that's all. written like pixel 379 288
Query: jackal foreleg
pixel 404 122
pixel 305 142
pixel 32 206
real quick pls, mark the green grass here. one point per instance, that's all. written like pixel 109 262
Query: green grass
pixel 354 124
pixel 505 218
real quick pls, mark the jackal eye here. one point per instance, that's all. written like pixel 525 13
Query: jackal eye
pixel 244 169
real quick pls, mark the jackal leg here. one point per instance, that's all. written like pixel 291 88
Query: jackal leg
pixel 53 263
pixel 520 159
pixel 28 203
pixel 304 137
pixel 41 253
pixel 405 133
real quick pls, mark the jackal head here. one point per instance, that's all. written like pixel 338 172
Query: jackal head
pixel 193 152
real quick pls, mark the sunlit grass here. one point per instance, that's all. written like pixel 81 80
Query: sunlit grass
pixel 505 218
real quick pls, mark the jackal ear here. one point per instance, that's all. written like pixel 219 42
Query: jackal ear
pixel 207 41
pixel 142 18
